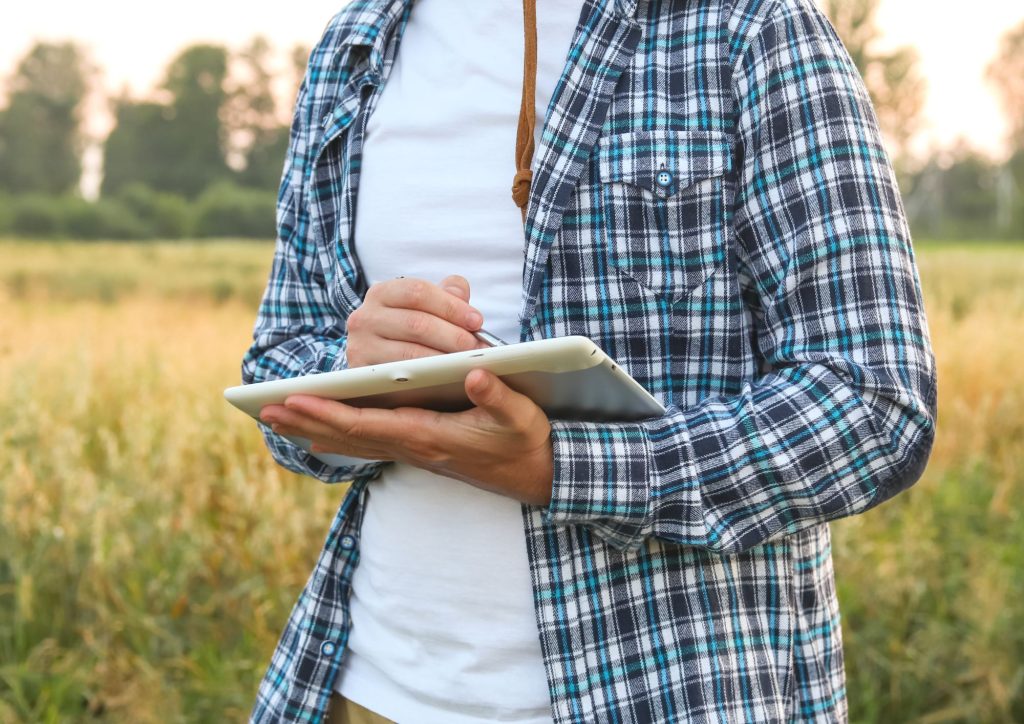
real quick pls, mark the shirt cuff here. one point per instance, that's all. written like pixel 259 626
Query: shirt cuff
pixel 602 479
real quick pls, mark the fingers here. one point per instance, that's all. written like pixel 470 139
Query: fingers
pixel 333 426
pixel 407 318
pixel 421 295
pixel 403 326
pixel 348 449
pixel 390 350
pixel 457 285
pixel 487 391
pixel 369 426
pixel 325 440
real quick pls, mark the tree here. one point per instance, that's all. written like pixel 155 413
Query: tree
pixel 893 78
pixel 177 147
pixel 258 138
pixel 1014 181
pixel 970 199
pixel 1006 72
pixel 40 130
pixel 265 160
pixel 195 79
pixel 139 148
pixel 962 194
pixel 300 59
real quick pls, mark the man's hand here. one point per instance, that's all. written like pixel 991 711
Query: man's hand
pixel 502 445
pixel 406 318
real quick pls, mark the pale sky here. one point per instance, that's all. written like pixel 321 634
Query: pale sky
pixel 132 41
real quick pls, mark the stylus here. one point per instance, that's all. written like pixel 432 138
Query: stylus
pixel 484 336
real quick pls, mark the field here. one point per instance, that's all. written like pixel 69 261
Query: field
pixel 150 550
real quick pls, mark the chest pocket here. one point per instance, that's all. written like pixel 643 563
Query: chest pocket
pixel 664 211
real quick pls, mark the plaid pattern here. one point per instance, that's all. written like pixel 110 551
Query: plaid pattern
pixel 713 206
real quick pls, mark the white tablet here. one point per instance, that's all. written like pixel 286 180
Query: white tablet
pixel 568 377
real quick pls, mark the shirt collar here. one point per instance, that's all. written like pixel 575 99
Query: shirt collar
pixel 370 23
pixel 627 8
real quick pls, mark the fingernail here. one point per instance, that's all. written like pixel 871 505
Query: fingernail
pixel 474 319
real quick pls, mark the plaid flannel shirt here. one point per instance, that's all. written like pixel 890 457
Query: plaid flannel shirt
pixel 713 205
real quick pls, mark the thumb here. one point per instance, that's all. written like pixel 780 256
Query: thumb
pixel 487 391
pixel 457 285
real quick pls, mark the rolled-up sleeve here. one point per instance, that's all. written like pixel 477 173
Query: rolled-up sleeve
pixel 842 416
pixel 297 331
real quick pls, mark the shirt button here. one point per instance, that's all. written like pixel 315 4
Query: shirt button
pixel 348 542
pixel 665 178
pixel 328 648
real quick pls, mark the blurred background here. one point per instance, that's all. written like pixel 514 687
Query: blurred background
pixel 150 550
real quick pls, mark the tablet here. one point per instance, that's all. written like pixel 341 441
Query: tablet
pixel 568 377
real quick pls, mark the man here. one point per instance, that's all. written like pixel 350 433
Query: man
pixel 712 204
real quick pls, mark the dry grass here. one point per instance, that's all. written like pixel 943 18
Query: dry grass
pixel 150 547
pixel 150 550
pixel 932 584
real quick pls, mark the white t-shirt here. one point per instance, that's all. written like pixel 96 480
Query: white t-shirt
pixel 443 622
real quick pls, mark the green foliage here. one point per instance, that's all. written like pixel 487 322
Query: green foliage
pixel 218 110
pixel 139 147
pixel 166 216
pixel 1015 174
pixel 104 219
pixel 265 160
pixel 250 117
pixel 139 213
pixel 965 196
pixel 47 217
pixel 40 139
pixel 5 214
pixel 178 147
pixel 196 81
pixel 227 210
pixel 36 217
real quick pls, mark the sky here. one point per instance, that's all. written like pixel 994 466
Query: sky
pixel 132 42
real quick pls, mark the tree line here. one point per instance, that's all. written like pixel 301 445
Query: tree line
pixel 949 193
pixel 203 156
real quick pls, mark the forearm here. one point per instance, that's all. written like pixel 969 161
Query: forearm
pixel 796 448
pixel 841 415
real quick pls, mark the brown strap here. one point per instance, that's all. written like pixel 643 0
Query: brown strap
pixel 527 109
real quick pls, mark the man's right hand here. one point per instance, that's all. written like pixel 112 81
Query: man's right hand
pixel 406 318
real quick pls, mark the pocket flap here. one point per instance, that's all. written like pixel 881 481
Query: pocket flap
pixel 663 161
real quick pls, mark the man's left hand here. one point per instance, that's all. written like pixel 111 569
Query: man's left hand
pixel 503 444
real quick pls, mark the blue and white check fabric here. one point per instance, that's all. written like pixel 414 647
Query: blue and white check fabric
pixel 713 205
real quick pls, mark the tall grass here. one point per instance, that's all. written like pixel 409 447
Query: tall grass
pixel 150 550
pixel 932 583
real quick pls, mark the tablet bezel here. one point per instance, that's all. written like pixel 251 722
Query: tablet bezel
pixel 572 360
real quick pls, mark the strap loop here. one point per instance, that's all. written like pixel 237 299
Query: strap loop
pixel 521 187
